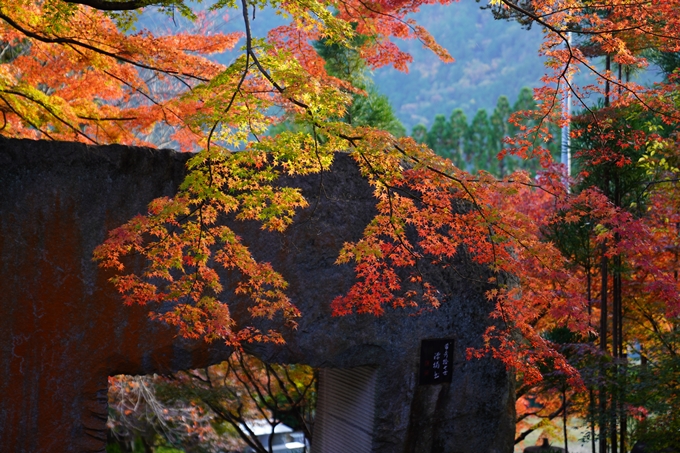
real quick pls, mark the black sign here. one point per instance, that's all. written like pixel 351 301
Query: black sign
pixel 436 361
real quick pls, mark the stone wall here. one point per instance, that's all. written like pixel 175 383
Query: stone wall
pixel 64 329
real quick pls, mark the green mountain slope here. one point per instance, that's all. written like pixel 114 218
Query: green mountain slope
pixel 493 58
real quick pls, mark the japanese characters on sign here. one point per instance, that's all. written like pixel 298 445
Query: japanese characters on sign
pixel 436 361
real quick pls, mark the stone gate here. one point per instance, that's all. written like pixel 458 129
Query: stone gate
pixel 63 328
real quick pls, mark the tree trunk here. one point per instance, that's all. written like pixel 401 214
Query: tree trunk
pixel 603 347
pixel 564 418
pixel 607 84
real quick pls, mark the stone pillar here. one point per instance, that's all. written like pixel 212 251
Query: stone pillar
pixel 345 410
pixel 63 329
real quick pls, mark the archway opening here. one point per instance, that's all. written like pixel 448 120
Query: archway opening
pixel 240 405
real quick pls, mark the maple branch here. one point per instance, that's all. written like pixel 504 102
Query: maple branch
pixel 551 416
pixel 478 207
pixel 128 5
pixel 256 387
pixel 321 171
pixel 389 188
pixel 489 225
pixel 250 118
pixel 409 249
pixel 61 40
pixel 49 110
pixel 121 118
pixel 391 16
pixel 527 415
pixel 399 237
pixel 583 103
pixel 534 17
pixel 301 397
pixel 553 102
pixel 293 403
pixel 237 421
pixel 627 89
pixel 250 53
pixel 594 6
pixel 263 71
pixel 140 91
pixel 561 33
pixel 196 272
pixel 659 35
pixel 278 87
pixel 394 228
pixel 655 328
pixel 246 69
pixel 562 76
pixel 661 181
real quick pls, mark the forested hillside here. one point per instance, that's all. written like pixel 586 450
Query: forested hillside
pixel 478 143
pixel 493 58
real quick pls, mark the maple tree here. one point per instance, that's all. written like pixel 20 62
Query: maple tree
pixel 108 84
pixel 634 126
pixel 630 245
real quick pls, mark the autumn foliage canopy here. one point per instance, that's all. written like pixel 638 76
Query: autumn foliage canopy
pixel 79 70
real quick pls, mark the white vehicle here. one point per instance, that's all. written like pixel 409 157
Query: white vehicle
pixel 284 440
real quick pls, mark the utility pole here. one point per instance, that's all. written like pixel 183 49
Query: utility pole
pixel 566 111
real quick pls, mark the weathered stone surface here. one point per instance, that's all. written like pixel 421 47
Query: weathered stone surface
pixel 64 329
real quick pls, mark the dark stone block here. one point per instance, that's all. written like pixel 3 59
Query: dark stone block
pixel 64 328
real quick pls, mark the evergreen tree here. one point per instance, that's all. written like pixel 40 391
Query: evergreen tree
pixel 419 133
pixel 459 130
pixel 478 144
pixel 525 100
pixel 500 128
pixel 439 136
pixel 373 109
